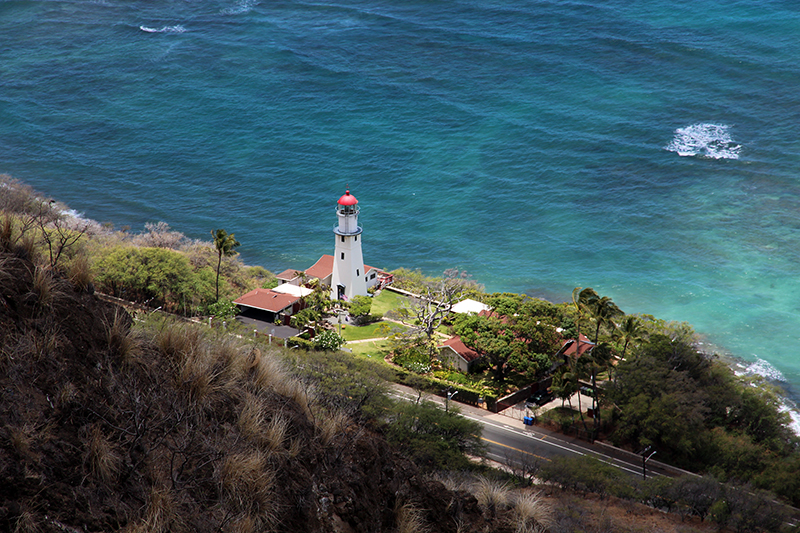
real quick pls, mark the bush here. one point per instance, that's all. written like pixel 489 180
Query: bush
pixel 434 439
pixel 328 340
pixel 413 358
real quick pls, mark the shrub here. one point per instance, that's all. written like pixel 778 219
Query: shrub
pixel 328 340
pixel 413 358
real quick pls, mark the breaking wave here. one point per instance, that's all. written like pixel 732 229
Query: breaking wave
pixel 772 374
pixel 706 140
pixel 166 29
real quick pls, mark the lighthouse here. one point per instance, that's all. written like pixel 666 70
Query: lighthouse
pixel 348 264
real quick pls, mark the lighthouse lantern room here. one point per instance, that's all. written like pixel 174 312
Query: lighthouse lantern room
pixel 348 262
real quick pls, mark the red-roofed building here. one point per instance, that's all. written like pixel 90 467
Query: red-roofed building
pixel 323 271
pixel 455 353
pixel 570 346
pixel 290 276
pixel 269 305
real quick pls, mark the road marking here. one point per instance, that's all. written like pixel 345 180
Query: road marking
pixel 515 449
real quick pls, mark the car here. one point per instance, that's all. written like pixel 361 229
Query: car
pixel 587 391
pixel 540 397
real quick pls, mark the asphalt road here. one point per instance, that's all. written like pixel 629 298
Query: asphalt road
pixel 510 441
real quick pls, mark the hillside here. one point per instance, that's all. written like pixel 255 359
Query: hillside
pixel 104 429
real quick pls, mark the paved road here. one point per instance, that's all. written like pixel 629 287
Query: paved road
pixel 508 439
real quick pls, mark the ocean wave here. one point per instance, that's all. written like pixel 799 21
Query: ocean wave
pixel 166 29
pixel 760 368
pixel 706 140
pixel 242 6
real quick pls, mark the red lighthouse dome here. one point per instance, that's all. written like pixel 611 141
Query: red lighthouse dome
pixel 347 199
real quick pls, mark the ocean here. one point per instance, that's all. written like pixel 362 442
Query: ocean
pixel 648 150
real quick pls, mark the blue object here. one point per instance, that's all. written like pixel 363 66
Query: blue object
pixel 528 421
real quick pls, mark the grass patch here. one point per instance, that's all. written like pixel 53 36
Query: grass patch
pixel 386 301
pixel 370 331
pixel 373 349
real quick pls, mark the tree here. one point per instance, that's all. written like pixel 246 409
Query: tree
pixel 602 311
pixel 154 275
pixel 630 330
pixel 427 311
pixel 360 307
pixel 225 244
pixel 493 340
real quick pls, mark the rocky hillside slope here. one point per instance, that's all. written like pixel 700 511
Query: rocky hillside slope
pixel 103 428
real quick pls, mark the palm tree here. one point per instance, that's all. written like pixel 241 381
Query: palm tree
pixel 224 243
pixel 602 311
pixel 582 299
pixel 631 329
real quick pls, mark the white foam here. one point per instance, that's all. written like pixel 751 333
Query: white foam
pixel 242 6
pixel 770 373
pixel 763 369
pixel 705 140
pixel 166 29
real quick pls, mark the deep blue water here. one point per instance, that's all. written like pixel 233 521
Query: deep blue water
pixel 649 150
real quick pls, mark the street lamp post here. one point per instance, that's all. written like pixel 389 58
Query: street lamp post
pixel 450 394
pixel 644 461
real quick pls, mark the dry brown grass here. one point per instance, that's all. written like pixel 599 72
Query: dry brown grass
pixel 252 418
pixel 267 371
pixel 247 483
pixel 531 513
pixel 302 393
pixel 332 425
pixel 409 519
pixel 160 516
pixel 276 431
pixel 27 523
pixel 102 460
pixel 492 495
pixel 79 271
pixel 37 345
pixel 67 394
pixel 21 439
pixel 43 287
pixel 121 340
pixel 177 340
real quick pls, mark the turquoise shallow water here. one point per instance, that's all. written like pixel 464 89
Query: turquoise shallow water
pixel 649 151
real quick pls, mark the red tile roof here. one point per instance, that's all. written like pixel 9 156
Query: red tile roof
pixel 267 300
pixel 461 349
pixel 324 268
pixel 288 275
pixel 570 344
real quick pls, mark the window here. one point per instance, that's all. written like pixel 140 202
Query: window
pixel 372 276
pixel 357 274
pixel 356 237
pixel 342 255
pixel 342 238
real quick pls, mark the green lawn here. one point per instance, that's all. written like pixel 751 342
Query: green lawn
pixel 371 331
pixel 374 349
pixel 387 300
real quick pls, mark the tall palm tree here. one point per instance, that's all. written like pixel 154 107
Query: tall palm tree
pixel 602 310
pixel 631 329
pixel 582 299
pixel 224 243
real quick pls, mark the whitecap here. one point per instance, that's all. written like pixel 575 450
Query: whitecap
pixel 243 6
pixel 166 29
pixel 706 140
pixel 761 368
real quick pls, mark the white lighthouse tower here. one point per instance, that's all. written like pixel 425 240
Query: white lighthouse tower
pixel 348 264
